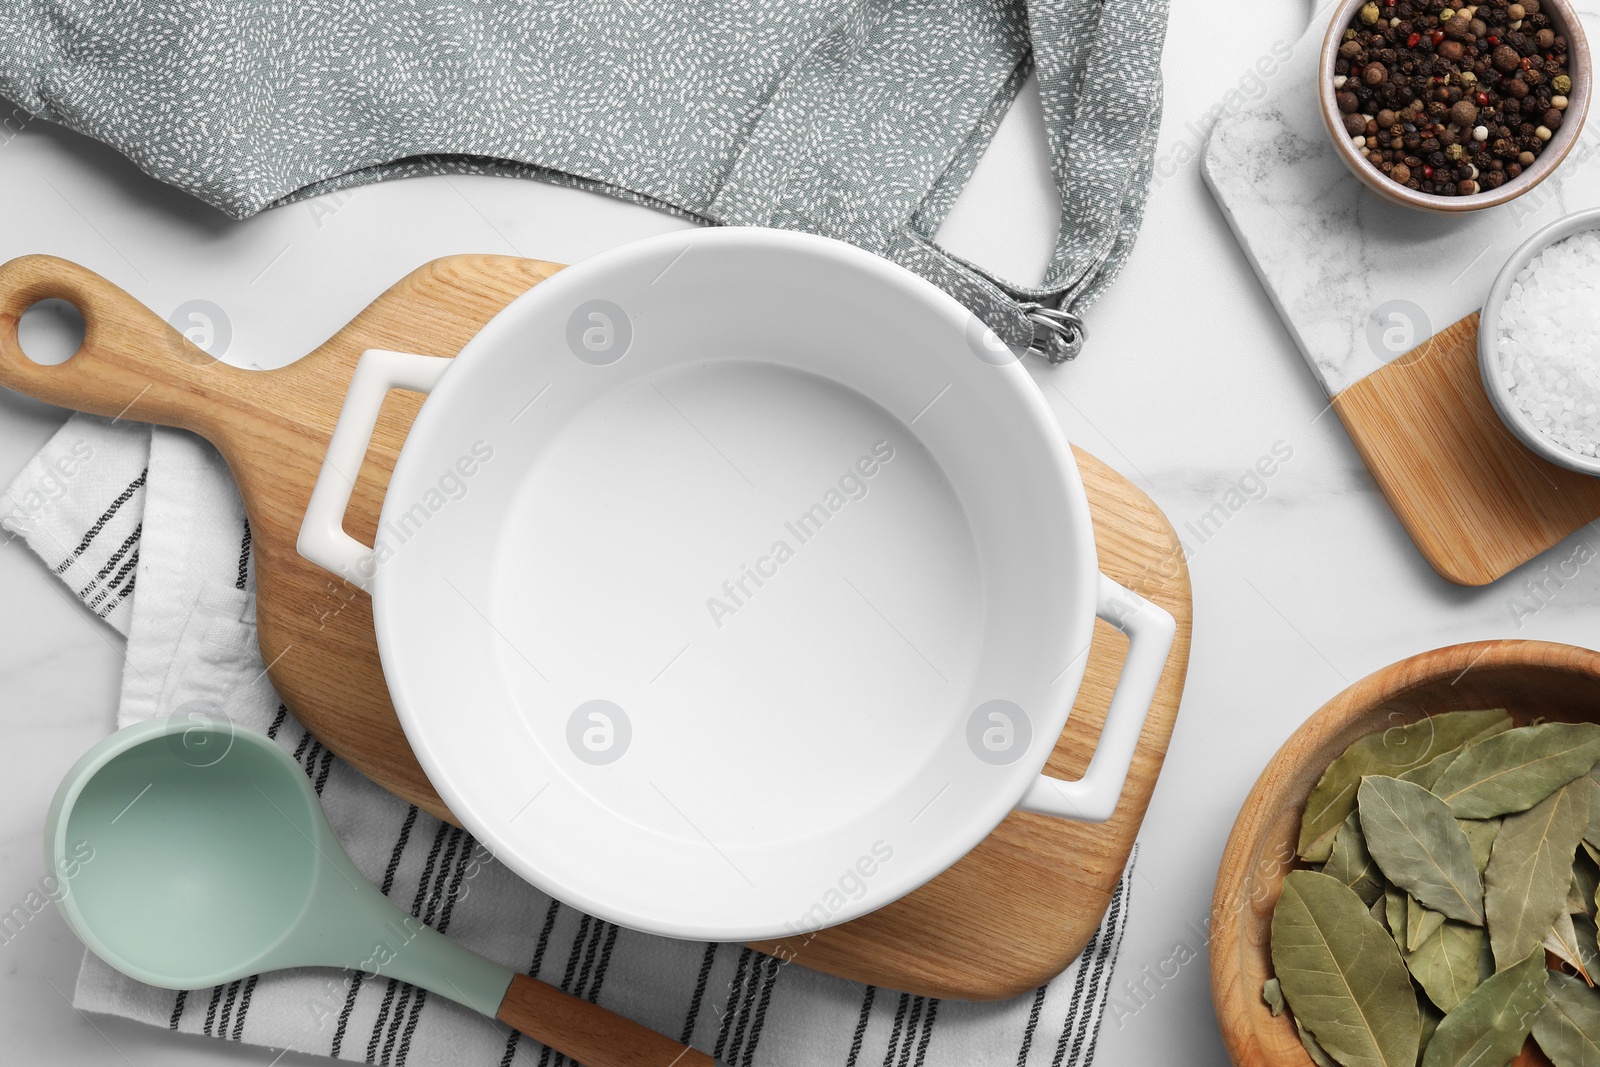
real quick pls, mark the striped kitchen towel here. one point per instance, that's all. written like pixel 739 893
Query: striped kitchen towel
pixel 109 506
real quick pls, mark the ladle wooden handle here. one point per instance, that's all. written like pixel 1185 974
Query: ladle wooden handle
pixel 588 1033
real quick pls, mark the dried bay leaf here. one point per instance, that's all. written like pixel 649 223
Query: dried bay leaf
pixel 1488 1028
pixel 1480 835
pixel 1529 871
pixel 1272 993
pixel 1395 907
pixel 1588 945
pixel 1585 885
pixel 1592 835
pixel 1427 774
pixel 1389 752
pixel 1420 847
pixel 1572 941
pixel 1513 771
pixel 1342 975
pixel 1431 1018
pixel 1314 1050
pixel 1594 857
pixel 1422 922
pixel 1451 964
pixel 1568 1026
pixel 1352 864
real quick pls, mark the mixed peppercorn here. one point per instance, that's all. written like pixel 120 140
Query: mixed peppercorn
pixel 1451 100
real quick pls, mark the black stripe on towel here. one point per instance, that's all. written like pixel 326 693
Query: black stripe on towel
pixel 122 575
pixel 1083 1008
pixel 178 1004
pixel 586 989
pixel 699 992
pixel 388 884
pixel 533 972
pixel 913 1029
pixel 605 962
pixel 211 1011
pixel 227 1008
pixel 899 1025
pixel 322 772
pixel 927 1031
pixel 111 563
pixel 761 976
pixel 590 954
pixel 746 998
pixel 416 910
pixel 1077 998
pixel 312 754
pixel 244 559
pixel 1098 1007
pixel 590 946
pixel 399 847
pixel 408 992
pixel 105 517
pixel 573 957
pixel 122 594
pixel 1033 1024
pixel 735 991
pixel 452 894
pixel 759 1021
pixel 244 1006
pixel 861 1025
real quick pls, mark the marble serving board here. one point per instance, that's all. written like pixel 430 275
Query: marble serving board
pixel 1382 302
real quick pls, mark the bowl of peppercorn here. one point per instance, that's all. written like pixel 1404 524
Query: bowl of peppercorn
pixel 1446 107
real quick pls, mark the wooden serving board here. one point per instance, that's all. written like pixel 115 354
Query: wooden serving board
pixel 1477 501
pixel 1003 920
pixel 1382 302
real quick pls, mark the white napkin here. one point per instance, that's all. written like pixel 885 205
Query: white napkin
pixel 110 505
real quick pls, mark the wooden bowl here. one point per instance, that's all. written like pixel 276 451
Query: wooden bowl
pixel 1564 19
pixel 1530 679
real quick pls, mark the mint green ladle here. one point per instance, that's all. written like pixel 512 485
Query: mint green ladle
pixel 193 854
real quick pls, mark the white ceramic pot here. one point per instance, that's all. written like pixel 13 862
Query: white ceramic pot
pixel 734 583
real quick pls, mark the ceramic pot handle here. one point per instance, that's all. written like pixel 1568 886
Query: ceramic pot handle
pixel 322 537
pixel 1094 797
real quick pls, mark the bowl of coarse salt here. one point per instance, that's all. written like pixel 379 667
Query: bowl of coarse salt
pixel 1539 343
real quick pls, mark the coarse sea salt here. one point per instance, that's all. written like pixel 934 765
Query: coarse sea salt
pixel 1549 345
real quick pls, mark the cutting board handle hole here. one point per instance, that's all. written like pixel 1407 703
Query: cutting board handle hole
pixel 51 332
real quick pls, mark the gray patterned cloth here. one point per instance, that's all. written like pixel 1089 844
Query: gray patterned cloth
pixel 858 119
pixel 108 506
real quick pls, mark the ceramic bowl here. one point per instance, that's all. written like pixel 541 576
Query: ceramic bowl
pixel 1564 20
pixel 734 583
pixel 1505 404
pixel 1530 679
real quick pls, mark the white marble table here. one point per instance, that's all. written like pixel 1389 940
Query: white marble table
pixel 1189 379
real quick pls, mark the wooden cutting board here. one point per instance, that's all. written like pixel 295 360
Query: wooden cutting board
pixel 1006 918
